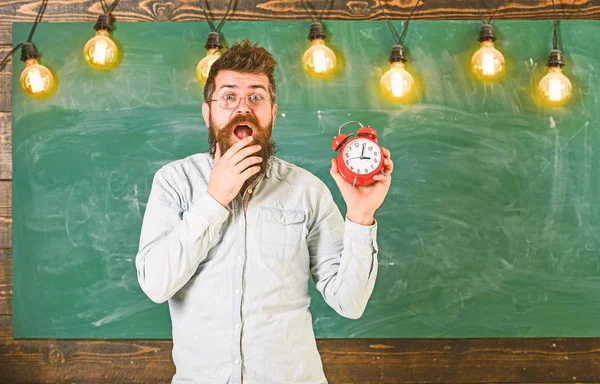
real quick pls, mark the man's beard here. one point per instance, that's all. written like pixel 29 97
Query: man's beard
pixel 262 136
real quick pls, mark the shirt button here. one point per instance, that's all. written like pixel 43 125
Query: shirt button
pixel 239 257
pixel 282 219
pixel 237 291
pixel 241 221
pixel 250 190
pixel 237 325
pixel 237 361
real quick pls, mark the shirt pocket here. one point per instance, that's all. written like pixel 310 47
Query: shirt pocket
pixel 280 233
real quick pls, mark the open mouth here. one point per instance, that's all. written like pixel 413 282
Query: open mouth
pixel 243 130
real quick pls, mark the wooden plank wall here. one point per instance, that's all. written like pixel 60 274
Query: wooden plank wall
pixel 346 361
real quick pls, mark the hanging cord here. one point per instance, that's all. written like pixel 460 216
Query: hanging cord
pixel 108 10
pixel 399 40
pixel 557 21
pixel 5 60
pixel 327 4
pixel 38 18
pixel 493 13
pixel 210 23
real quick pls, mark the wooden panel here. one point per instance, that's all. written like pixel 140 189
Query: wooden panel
pixel 5 214
pixel 345 361
pixel 5 146
pixel 5 84
pixel 5 282
pixel 155 10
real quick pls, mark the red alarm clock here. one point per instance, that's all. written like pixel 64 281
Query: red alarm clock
pixel 359 158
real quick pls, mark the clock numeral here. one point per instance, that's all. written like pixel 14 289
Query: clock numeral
pixel 375 160
pixel 352 168
pixel 356 144
pixel 347 154
pixel 372 166
pixel 358 171
pixel 347 161
pixel 375 153
pixel 366 170
pixel 370 148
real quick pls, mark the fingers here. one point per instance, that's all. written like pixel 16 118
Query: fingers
pixel 217 152
pixel 249 172
pixel 386 152
pixel 237 146
pixel 386 179
pixel 388 164
pixel 335 173
pixel 244 153
pixel 247 162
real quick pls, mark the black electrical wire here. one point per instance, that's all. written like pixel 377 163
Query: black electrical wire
pixel 210 23
pixel 5 60
pixel 493 13
pixel 327 4
pixel 399 39
pixel 38 18
pixel 106 9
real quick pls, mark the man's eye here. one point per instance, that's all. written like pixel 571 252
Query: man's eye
pixel 255 98
pixel 228 97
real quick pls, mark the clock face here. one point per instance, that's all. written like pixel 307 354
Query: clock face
pixel 362 156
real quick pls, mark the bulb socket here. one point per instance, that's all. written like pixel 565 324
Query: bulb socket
pixel 486 33
pixel 103 23
pixel 28 51
pixel 213 41
pixel 397 54
pixel 316 31
pixel 555 59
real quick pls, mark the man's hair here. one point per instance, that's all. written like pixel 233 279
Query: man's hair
pixel 245 58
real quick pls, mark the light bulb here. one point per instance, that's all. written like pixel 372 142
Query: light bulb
pixel 100 52
pixel 488 62
pixel 36 80
pixel 555 88
pixel 318 60
pixel 397 83
pixel 203 67
pixel 213 52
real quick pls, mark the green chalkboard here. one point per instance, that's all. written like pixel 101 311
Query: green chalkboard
pixel 491 227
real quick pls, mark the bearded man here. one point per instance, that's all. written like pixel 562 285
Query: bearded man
pixel 231 238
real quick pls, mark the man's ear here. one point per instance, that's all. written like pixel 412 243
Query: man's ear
pixel 206 113
pixel 274 111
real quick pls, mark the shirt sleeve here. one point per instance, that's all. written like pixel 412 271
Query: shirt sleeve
pixel 173 241
pixel 343 258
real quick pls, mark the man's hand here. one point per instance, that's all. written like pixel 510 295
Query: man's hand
pixel 362 202
pixel 231 170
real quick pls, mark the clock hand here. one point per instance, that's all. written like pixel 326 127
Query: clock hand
pixel 363 151
pixel 358 157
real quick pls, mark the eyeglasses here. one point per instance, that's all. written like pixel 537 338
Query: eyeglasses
pixel 231 101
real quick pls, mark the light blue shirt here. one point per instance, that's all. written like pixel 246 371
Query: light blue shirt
pixel 237 282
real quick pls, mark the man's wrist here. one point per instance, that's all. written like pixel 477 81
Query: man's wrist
pixel 362 218
pixel 220 201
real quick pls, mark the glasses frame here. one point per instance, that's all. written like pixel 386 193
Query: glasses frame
pixel 248 103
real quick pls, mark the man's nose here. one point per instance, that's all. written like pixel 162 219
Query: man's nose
pixel 243 106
